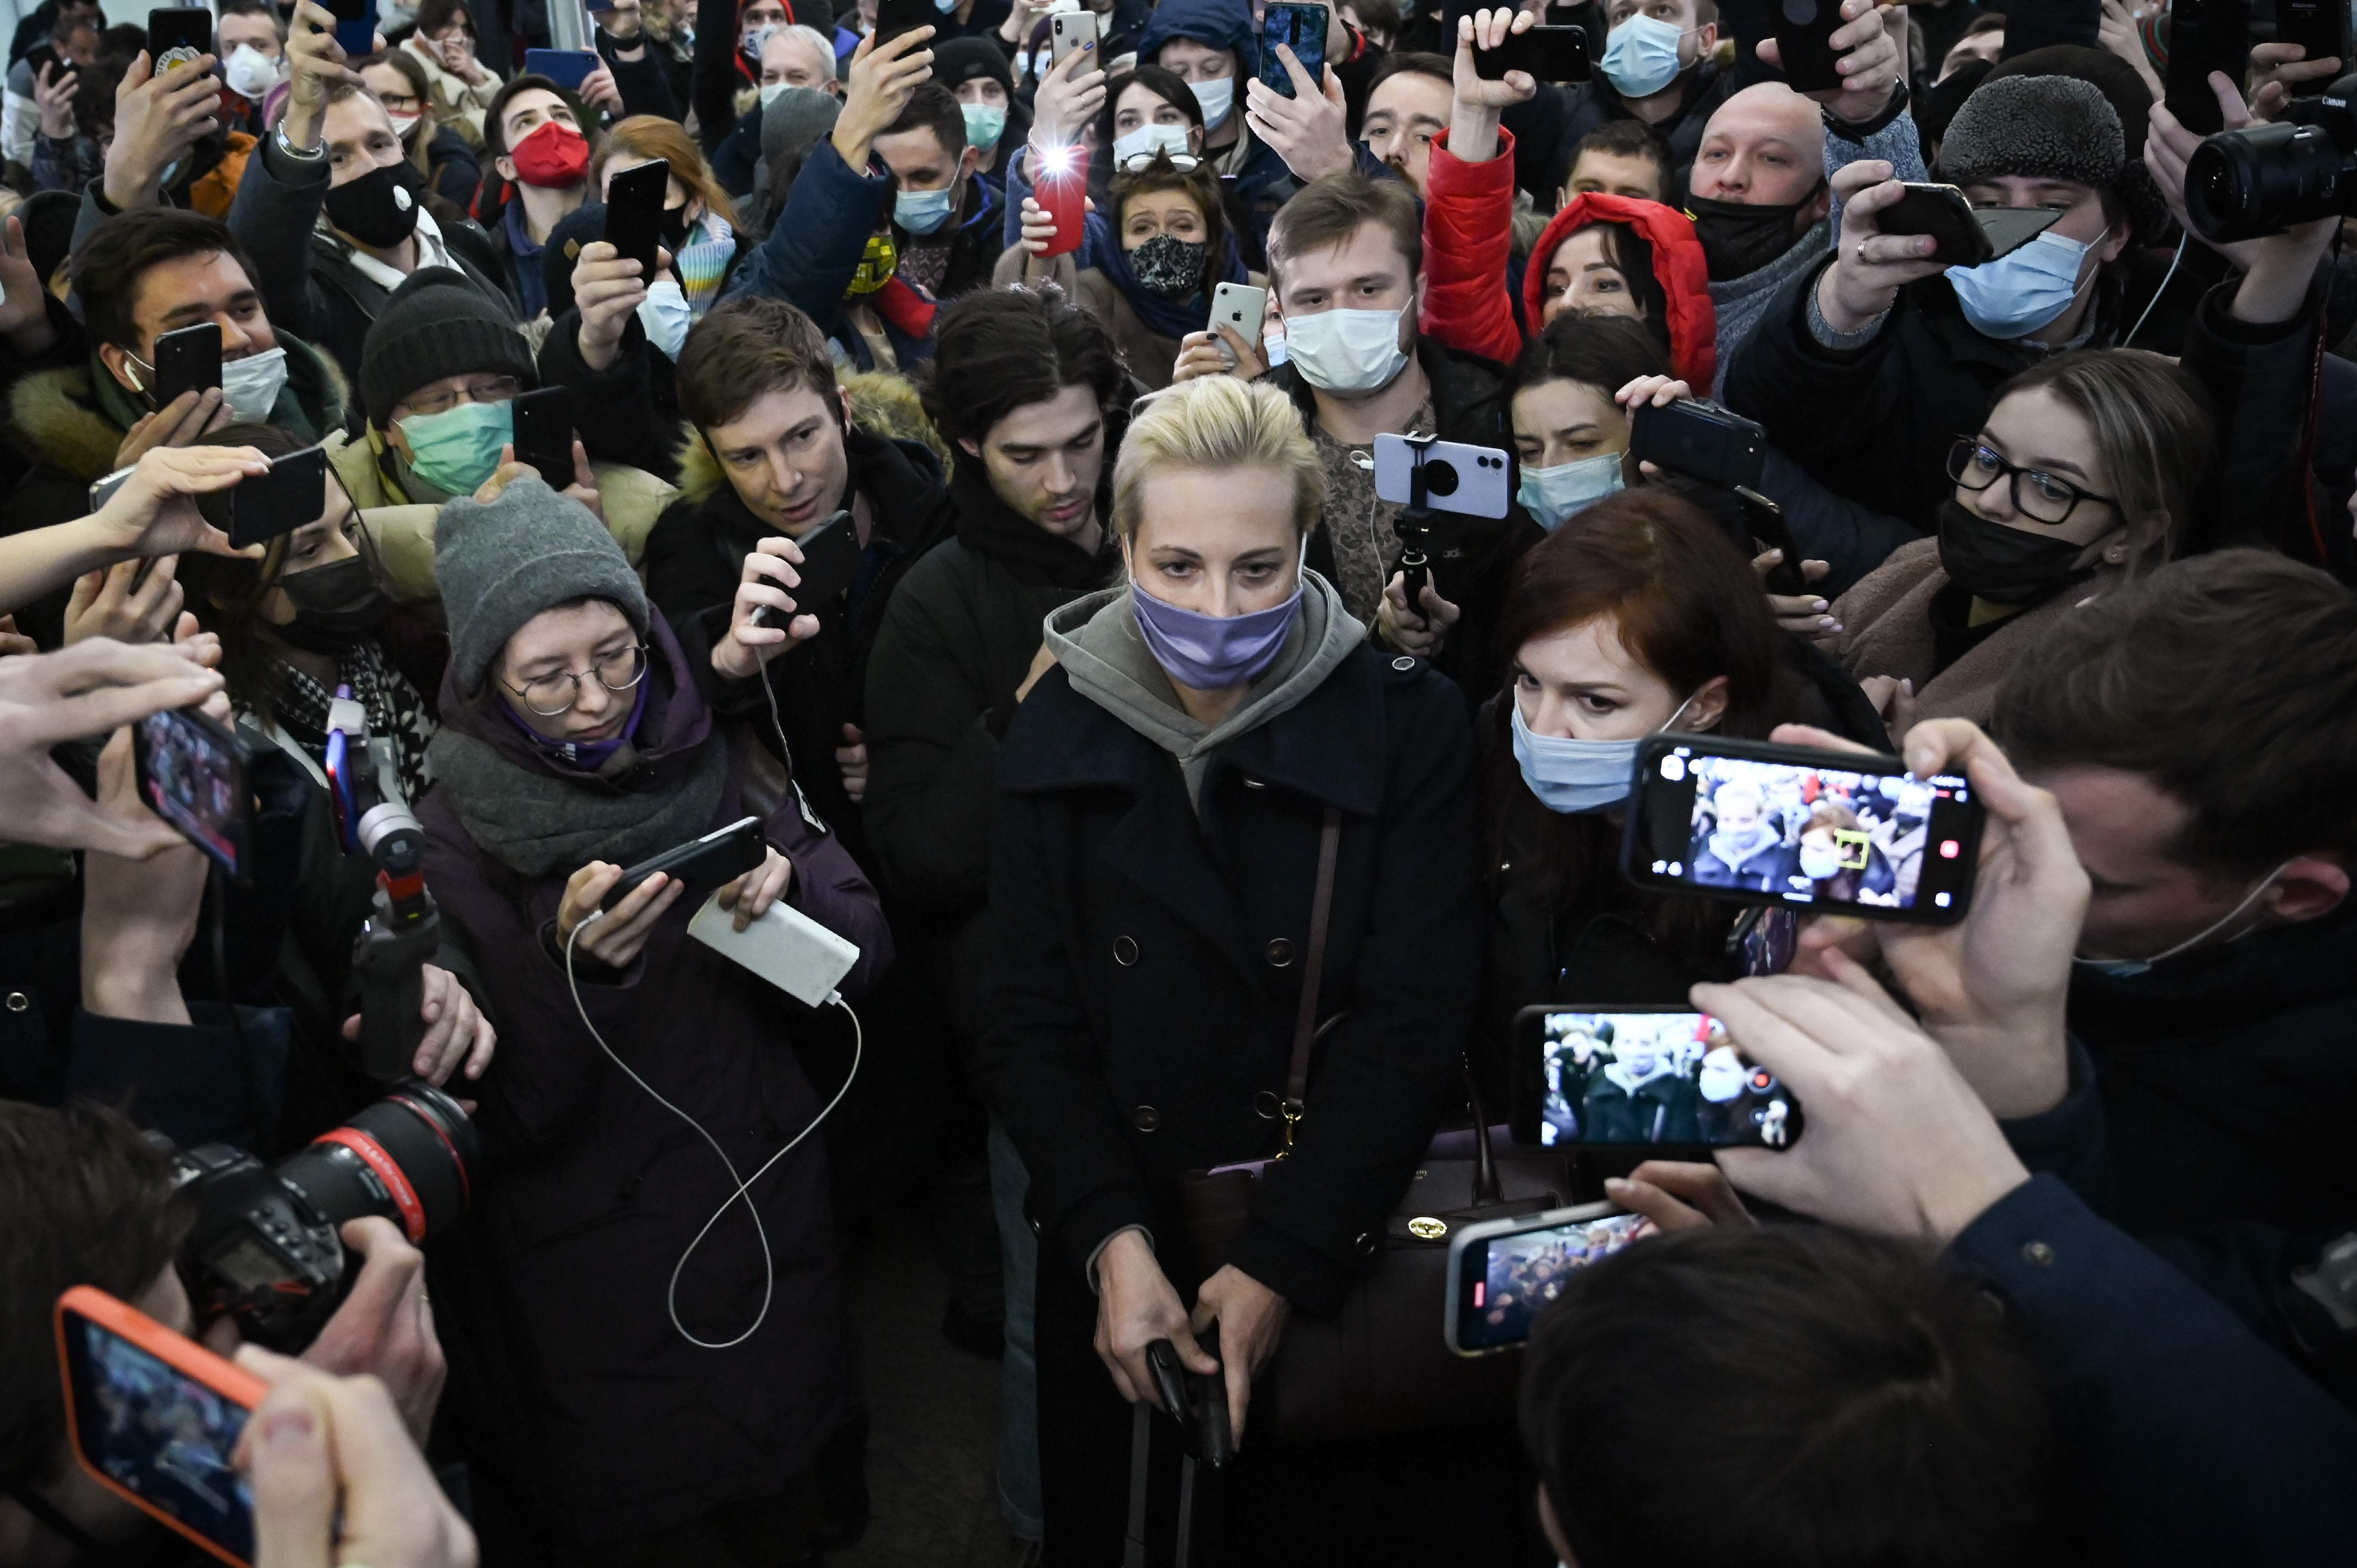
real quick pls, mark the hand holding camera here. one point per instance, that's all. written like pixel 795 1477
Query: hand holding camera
pixel 2239 192
pixel 385 1326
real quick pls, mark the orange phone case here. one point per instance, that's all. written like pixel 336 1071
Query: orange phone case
pixel 175 1350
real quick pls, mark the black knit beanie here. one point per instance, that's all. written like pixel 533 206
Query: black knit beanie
pixel 962 60
pixel 436 324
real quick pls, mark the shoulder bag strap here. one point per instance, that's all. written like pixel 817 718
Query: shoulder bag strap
pixel 1313 970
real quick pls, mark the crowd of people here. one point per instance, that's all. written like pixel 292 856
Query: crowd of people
pixel 1035 625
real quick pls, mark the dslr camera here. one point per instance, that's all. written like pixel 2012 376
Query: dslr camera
pixel 265 1249
pixel 2262 180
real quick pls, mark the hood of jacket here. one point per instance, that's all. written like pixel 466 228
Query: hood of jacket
pixel 1097 640
pixel 988 526
pixel 1216 24
pixel 1678 267
pixel 881 403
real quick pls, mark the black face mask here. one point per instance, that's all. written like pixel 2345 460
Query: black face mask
pixel 334 606
pixel 379 209
pixel 674 229
pixel 2004 565
pixel 1739 236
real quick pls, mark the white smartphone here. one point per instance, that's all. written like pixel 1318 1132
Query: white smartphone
pixel 1067 31
pixel 1470 481
pixel 1504 1273
pixel 1241 306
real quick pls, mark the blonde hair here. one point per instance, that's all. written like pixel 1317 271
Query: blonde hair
pixel 1217 423
pixel 652 136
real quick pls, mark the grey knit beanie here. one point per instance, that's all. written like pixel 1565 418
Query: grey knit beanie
pixel 436 324
pixel 2046 127
pixel 500 563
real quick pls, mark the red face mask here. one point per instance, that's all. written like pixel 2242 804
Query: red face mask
pixel 555 154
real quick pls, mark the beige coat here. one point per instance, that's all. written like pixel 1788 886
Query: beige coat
pixel 455 104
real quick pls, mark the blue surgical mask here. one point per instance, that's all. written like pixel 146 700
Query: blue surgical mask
pixel 1573 776
pixel 1553 495
pixel 2128 968
pixel 922 211
pixel 1215 99
pixel 455 450
pixel 2020 291
pixel 666 316
pixel 985 123
pixel 1640 57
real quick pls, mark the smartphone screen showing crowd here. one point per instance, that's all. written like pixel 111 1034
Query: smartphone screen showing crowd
pixel 1775 824
pixel 191 773
pixel 1302 30
pixel 1651 1077
pixel 155 1418
pixel 1502 1273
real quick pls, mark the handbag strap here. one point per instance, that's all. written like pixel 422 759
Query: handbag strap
pixel 1313 970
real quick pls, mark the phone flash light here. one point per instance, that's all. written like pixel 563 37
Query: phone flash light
pixel 1056 160
pixel 1950 849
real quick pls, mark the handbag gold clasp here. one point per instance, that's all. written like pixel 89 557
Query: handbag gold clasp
pixel 1292 1112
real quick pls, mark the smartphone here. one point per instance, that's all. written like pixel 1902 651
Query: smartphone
pixel 1068 32
pixel 543 432
pixel 705 864
pixel 567 68
pixel 187 360
pixel 1502 1273
pixel 1549 54
pixel 1848 831
pixel 894 17
pixel 1063 186
pixel 178 35
pixel 155 1417
pixel 1301 29
pixel 2318 26
pixel 1472 481
pixel 1236 306
pixel 1702 441
pixel 1597 1076
pixel 634 212
pixel 102 491
pixel 1804 42
pixel 295 492
pixel 1763 520
pixel 1966 235
pixel 2205 35
pixel 191 773
pixel 355 26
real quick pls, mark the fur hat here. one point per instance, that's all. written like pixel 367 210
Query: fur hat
pixel 2050 127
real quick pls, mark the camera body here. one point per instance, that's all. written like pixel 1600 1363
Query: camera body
pixel 2265 178
pixel 265 1248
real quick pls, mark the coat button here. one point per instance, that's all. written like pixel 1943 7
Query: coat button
pixel 1146 1119
pixel 1124 951
pixel 1404 661
pixel 1367 1244
pixel 1280 952
pixel 2038 1253
pixel 18 1002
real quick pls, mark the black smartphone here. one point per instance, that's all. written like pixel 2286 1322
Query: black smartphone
pixel 1549 54
pixel 1302 30
pixel 1502 1273
pixel 1702 441
pixel 894 17
pixel 2318 26
pixel 187 360
pixel 1595 1074
pixel 704 865
pixel 191 773
pixel 1764 520
pixel 543 427
pixel 2205 35
pixel 830 564
pixel 177 35
pixel 634 211
pixel 1849 833
pixel 1804 42
pixel 295 492
pixel 1964 235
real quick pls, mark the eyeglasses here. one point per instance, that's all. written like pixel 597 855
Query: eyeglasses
pixel 1185 163
pixel 483 389
pixel 552 694
pixel 2038 495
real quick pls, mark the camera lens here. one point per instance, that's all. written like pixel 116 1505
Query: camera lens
pixel 409 1158
pixel 2243 184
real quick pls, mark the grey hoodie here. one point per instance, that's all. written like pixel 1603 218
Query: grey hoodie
pixel 1097 640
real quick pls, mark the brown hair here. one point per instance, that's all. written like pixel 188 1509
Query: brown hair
pixel 90 1202
pixel 652 136
pixel 107 267
pixel 1324 214
pixel 429 121
pixel 995 350
pixel 2226 681
pixel 745 348
pixel 1628 139
pixel 1197 184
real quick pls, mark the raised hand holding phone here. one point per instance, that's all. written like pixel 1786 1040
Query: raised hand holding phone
pixel 771 579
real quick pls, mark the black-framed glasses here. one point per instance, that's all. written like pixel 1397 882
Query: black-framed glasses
pixel 552 694
pixel 2038 495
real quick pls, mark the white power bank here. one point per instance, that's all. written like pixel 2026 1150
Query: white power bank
pixel 784 947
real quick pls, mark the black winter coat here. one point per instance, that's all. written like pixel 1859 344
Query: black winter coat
pixel 1148 966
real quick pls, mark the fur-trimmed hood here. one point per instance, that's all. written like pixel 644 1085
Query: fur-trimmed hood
pixel 882 403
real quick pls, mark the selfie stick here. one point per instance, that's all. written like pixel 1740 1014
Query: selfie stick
pixel 1414 530
pixel 403 930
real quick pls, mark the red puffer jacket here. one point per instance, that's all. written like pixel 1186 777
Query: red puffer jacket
pixel 1467 233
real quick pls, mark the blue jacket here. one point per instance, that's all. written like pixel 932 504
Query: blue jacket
pixel 815 247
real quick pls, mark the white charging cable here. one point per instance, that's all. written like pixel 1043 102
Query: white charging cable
pixel 769 1263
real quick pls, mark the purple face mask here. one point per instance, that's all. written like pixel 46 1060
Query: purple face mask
pixel 1209 652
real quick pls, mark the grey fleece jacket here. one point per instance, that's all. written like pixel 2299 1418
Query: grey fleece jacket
pixel 1741 301
pixel 1097 640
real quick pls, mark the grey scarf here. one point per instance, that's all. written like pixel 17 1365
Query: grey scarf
pixel 537 823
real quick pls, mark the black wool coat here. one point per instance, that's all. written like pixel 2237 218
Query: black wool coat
pixel 1149 965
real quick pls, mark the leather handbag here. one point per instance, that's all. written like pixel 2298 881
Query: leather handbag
pixel 1380 1367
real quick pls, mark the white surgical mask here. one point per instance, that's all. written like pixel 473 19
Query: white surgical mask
pixel 665 314
pixel 1553 495
pixel 1640 57
pixel 2022 291
pixel 2126 968
pixel 1348 352
pixel 249 72
pixel 1816 864
pixel 770 89
pixel 1215 99
pixel 250 386
pixel 1721 1077
pixel 1147 141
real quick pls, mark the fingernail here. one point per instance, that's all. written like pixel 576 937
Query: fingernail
pixel 1615 1184
pixel 1819 605
pixel 424 1064
pixel 289 1428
